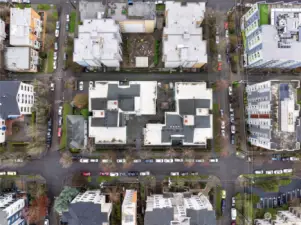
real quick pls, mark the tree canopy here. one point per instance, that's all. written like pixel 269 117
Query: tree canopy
pixel 62 202
pixel 81 100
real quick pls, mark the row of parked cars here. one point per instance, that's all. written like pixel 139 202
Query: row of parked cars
pixel 270 172
pixel 177 160
pixel 279 157
pixel 60 121
pixel 8 173
pixel 49 133
pixel 119 174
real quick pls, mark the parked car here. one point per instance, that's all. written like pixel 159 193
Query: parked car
pixel 86 174
pixel 54 65
pixel 149 160
pixel 223 125
pixel 223 205
pixel 94 160
pixel 227 34
pixel 258 171
pixel 52 87
pixel 233 201
pixel 224 194
pixel 222 112
pixel 76 158
pixel 270 172
pixel 145 173
pixel 219 66
pixel 67 27
pixel 60 111
pixel 194 173
pixel 285 158
pixel 232 117
pixel 55 46
pixel 120 160
pixel 65 56
pixel 233 139
pixel 174 174
pixel 159 160
pixel 60 121
pixel 137 161
pixel 57 25
pixel 57 33
pixel 114 174
pixel 81 85
pixel 199 160
pixel 18 160
pixel 226 25
pixel 233 214
pixel 168 160
pixel 230 90
pixel 276 157
pixel 2 173
pixel 67 18
pixel 106 160
pixel 223 133
pixel 91 84
pixel 59 131
pixel 219 57
pixel 104 174
pixel 189 160
pixel 294 158
pixel 133 173
pixel 213 160
pixel 84 160
pixel 287 170
pixel 233 129
pixel 123 174
pixel 178 160
pixel 184 174
pixel 217 39
pixel 46 222
pixel 11 173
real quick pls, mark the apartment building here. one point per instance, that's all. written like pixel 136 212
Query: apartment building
pixel 138 17
pixel 271 34
pixel 11 210
pixel 179 209
pixel 16 100
pixel 21 59
pixel 182 41
pixel 25 28
pixel 2 30
pixel 129 208
pixel 192 121
pixel 88 208
pixel 288 217
pixel 98 43
pixel 111 104
pixel 273 115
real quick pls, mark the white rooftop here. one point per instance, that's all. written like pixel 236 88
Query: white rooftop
pixel 17 58
pixel 20 20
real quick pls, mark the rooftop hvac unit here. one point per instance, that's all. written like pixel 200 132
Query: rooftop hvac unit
pixel 100 15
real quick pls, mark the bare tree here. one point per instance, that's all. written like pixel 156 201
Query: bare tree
pixel 66 160
pixel 90 147
pixel 111 163
pixel 171 153
pixel 188 155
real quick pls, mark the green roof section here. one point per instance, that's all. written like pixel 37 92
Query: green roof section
pixel 264 14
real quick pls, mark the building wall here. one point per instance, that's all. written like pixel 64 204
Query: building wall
pixel 137 26
pixel 14 212
pixel 25 98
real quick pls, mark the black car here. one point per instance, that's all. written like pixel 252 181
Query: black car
pixel 67 27
pixel 133 173
pixel 76 157
pixel 149 161
pixel 223 205
pixel 232 139
pixel 285 158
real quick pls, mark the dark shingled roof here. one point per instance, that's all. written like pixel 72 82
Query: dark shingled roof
pixel 8 100
pixel 84 213
pixel 189 106
pixel 158 216
pixel 75 131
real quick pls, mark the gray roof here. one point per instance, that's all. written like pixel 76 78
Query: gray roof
pixel 8 100
pixel 3 217
pixel 201 217
pixel 116 93
pixel 158 216
pixel 110 120
pixel 189 106
pixel 75 131
pixel 84 213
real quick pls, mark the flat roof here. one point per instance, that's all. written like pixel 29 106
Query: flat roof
pixel 17 58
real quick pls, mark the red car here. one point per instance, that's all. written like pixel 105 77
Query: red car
pixel 226 25
pixel 219 66
pixel 59 131
pixel 86 174
pixel 104 174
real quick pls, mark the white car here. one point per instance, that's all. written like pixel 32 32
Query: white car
pixel 223 125
pixel 3 173
pixel 168 160
pixel 67 18
pixel 294 159
pixel 46 222
pixel 114 174
pixel 178 160
pixel 106 161
pixel 199 160
pixel 19 160
pixel 91 84
pixel 159 160
pixel 145 173
pixel 278 172
pixel 57 25
pixel 94 160
pixel 56 46
pixel 57 33
pixel 219 57
pixel 233 214
pixel 52 86
pixel 137 161
pixel 258 171
pixel 217 39
pixel 189 160
pixel 174 174
pixel 194 173
pixel 287 170
pixel 81 85
pixel 227 34
pixel 11 173
pixel 213 160
pixel 55 56
pixel 269 172
pixel 233 201
pixel 54 65
pixel 83 160
pixel 60 110
pixel 230 90
pixel 233 129
pixel 120 160
pixel 223 133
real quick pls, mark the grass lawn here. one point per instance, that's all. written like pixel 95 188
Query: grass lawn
pixel 244 39
pixel 85 113
pixel 55 15
pixel 101 179
pixel 73 21
pixel 218 202
pixel 267 175
pixel 50 61
pixel 160 7
pixel 67 110
pixel 244 205
pixel 271 185
pixel 264 14
pixel 22 6
pixel 44 7
pixel 187 178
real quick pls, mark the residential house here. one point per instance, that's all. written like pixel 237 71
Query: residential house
pixel 11 210
pixel 129 208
